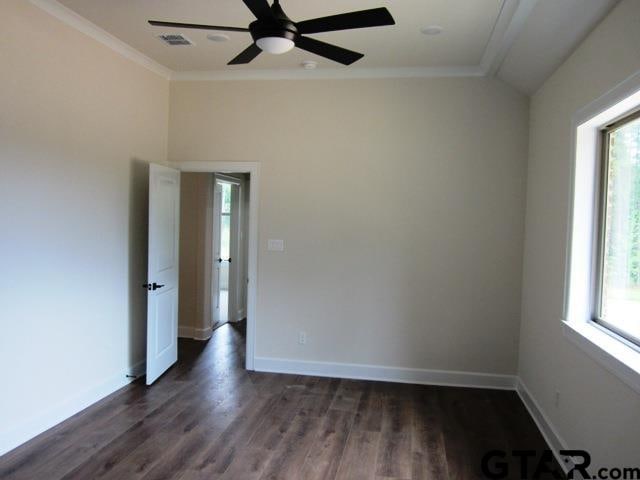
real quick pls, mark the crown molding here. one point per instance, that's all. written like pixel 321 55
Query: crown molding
pixel 509 23
pixel 80 23
pixel 329 73
pixel 511 19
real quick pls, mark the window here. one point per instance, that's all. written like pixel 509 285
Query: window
pixel 601 311
pixel 617 295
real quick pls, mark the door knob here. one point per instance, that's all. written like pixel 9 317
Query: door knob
pixel 152 286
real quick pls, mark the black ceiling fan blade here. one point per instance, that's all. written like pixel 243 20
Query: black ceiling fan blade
pixel 248 54
pixel 337 54
pixel 158 23
pixel 260 8
pixel 376 17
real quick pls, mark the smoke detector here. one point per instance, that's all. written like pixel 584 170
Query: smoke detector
pixel 309 65
pixel 218 37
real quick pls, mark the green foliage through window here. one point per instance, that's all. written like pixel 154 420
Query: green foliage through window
pixel 226 197
pixel 620 296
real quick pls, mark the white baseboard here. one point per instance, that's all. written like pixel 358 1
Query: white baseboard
pixel 387 374
pixel 16 435
pixel 185 332
pixel 194 333
pixel 546 427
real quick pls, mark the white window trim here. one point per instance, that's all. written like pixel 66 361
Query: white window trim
pixel 603 346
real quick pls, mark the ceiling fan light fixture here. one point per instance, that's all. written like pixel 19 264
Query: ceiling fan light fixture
pixel 275 45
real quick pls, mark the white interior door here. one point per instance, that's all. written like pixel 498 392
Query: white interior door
pixel 225 249
pixel 216 305
pixel 162 276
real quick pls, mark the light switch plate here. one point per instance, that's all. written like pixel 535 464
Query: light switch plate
pixel 275 245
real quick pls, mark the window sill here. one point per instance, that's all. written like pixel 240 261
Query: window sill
pixel 614 355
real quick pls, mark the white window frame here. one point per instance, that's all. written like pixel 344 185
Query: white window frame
pixel 609 349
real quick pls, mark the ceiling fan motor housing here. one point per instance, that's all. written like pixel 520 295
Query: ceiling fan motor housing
pixel 277 26
pixel 262 29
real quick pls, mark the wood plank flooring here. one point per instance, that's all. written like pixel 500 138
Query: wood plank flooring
pixel 208 418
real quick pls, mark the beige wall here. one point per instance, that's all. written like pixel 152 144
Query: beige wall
pixel 195 235
pixel 241 312
pixel 597 411
pixel 78 124
pixel 401 206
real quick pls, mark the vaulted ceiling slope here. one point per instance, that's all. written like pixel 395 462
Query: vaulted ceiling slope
pixel 520 41
pixel 552 31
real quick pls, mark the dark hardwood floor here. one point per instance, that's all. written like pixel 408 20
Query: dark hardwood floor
pixel 208 418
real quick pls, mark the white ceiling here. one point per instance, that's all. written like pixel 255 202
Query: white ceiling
pixel 522 41
pixel 468 26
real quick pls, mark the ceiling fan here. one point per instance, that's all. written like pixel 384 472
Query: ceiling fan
pixel 275 33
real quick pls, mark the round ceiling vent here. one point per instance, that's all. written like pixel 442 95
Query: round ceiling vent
pixel 432 30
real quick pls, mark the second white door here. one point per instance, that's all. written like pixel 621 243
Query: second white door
pixel 162 275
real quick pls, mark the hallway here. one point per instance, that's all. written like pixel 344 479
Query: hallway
pixel 208 418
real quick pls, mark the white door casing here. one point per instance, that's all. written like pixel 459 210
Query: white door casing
pixel 163 269
pixel 253 169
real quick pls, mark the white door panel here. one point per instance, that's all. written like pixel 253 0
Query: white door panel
pixel 162 275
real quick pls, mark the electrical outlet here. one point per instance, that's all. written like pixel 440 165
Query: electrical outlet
pixel 556 399
pixel 302 338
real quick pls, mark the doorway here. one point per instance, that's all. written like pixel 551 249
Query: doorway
pixel 226 266
pixel 229 267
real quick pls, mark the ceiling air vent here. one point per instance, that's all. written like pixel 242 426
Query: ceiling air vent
pixel 174 39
